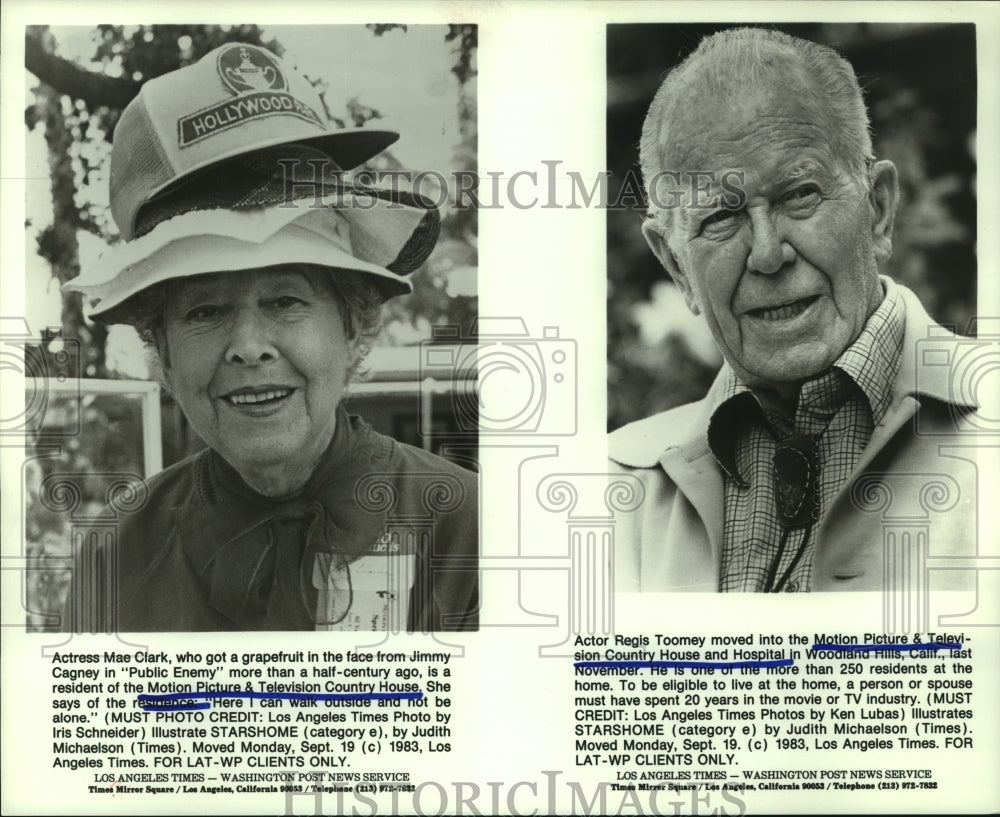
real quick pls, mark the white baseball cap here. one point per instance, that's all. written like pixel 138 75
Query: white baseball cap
pixel 236 100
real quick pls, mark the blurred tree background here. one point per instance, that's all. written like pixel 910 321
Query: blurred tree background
pixel 79 82
pixel 919 83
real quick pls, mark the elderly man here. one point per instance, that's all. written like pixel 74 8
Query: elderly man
pixel 771 215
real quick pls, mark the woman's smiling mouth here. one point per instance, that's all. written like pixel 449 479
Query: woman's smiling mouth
pixel 264 396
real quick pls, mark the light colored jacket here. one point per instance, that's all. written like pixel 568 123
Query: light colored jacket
pixel 909 508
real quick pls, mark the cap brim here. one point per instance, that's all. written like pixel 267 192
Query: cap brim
pixel 391 227
pixel 347 147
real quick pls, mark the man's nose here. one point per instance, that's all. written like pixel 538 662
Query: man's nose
pixel 769 251
pixel 249 341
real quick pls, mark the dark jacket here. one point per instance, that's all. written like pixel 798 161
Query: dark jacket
pixel 398 525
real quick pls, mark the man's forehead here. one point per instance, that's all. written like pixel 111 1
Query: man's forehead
pixel 764 174
pixel 711 124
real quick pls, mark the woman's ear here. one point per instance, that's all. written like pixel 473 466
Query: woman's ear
pixel 162 349
pixel 158 358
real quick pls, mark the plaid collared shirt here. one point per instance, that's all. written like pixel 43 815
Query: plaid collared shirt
pixel 841 406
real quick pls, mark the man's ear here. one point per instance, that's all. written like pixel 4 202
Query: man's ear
pixel 653 233
pixel 884 199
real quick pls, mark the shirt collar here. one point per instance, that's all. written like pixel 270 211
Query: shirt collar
pixel 871 362
pixel 731 402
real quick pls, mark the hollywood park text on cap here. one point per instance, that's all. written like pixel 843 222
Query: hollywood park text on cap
pixel 237 99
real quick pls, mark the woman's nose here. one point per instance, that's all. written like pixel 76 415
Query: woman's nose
pixel 249 341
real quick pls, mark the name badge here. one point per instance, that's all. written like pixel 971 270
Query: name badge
pixel 370 594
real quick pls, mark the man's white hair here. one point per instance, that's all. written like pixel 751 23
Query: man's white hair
pixel 744 57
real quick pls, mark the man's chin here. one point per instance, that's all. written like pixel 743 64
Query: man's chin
pixel 790 368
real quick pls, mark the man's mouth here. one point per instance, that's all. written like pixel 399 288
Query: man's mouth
pixel 248 397
pixel 783 312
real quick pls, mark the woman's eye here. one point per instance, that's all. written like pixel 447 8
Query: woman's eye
pixel 286 302
pixel 206 312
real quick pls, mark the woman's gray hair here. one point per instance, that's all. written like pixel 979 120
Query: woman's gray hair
pixel 359 299
pixel 745 56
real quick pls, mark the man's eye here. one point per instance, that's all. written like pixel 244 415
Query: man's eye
pixel 806 194
pixel 720 218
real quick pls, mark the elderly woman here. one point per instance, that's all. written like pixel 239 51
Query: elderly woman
pixel 258 308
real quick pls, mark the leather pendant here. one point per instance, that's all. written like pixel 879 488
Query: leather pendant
pixel 795 471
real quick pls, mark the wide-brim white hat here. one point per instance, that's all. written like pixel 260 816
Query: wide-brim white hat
pixel 351 229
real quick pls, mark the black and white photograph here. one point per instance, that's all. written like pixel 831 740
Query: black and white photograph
pixel 777 350
pixel 235 216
